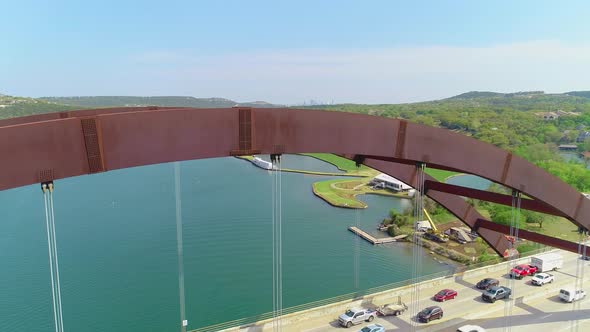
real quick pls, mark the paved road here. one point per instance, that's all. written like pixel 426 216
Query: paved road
pixel 541 308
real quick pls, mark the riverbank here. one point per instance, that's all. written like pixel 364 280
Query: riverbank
pixel 250 158
pixel 342 164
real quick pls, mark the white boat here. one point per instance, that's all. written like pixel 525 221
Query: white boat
pixel 262 163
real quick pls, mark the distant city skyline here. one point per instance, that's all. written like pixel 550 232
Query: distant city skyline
pixel 287 53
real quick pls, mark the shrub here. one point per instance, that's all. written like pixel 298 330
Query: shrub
pixel 393 230
pixel 526 247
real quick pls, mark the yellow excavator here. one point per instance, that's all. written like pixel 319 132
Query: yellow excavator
pixel 433 233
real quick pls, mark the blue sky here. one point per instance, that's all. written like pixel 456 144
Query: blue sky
pixel 288 52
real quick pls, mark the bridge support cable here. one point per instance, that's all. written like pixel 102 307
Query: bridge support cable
pixel 357 247
pixel 180 248
pixel 579 283
pixel 417 248
pixel 514 227
pixel 357 239
pixel 277 243
pixel 47 188
pixel 357 251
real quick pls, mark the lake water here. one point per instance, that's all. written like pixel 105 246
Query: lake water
pixel 116 237
pixel 470 181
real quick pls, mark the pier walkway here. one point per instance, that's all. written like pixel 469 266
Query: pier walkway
pixel 372 239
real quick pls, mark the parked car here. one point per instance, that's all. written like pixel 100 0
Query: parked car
pixel 471 328
pixel 430 313
pixel 571 295
pixel 356 316
pixel 541 279
pixel 445 294
pixel 523 270
pixel 496 293
pixel 393 309
pixel 487 283
pixel 373 328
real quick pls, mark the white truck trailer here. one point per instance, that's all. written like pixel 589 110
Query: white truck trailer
pixel 547 262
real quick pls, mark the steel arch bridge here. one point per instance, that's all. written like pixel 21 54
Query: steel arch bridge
pixel 48 147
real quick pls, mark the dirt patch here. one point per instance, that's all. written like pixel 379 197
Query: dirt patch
pixel 470 250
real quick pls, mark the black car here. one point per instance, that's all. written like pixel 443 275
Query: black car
pixel 487 283
pixel 430 313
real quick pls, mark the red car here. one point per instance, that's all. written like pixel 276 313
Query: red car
pixel 523 270
pixel 445 294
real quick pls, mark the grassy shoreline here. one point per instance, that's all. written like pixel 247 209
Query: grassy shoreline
pixel 337 196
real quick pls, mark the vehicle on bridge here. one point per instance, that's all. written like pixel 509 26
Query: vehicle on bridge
pixel 445 294
pixel 373 328
pixel 496 293
pixel 393 309
pixel 430 313
pixel 471 328
pixel 547 262
pixel 570 295
pixel 541 279
pixel 487 283
pixel 523 270
pixel 356 316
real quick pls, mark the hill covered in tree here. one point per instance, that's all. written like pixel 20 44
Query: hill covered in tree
pixel 11 107
pixel 585 94
pixel 178 101
pixel 488 94
pixel 510 121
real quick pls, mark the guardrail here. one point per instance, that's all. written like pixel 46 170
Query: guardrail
pixel 246 321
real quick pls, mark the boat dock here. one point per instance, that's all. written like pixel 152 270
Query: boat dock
pixel 373 240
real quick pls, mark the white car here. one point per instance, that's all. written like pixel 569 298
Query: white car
pixel 541 279
pixel 471 328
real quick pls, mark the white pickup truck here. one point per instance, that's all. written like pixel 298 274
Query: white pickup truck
pixel 541 279
pixel 356 316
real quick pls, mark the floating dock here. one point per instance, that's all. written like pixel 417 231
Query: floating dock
pixel 373 240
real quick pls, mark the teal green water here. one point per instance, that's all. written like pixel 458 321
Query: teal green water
pixel 470 181
pixel 117 248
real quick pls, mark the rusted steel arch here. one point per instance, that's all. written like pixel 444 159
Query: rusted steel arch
pixel 51 147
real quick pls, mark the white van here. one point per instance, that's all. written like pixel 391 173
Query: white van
pixel 569 295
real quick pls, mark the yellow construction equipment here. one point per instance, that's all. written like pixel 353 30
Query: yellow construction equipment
pixel 434 229
pixel 433 233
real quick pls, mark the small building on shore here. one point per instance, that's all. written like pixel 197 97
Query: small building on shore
pixel 389 182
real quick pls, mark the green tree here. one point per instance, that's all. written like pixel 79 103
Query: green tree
pixel 504 214
pixel 532 217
